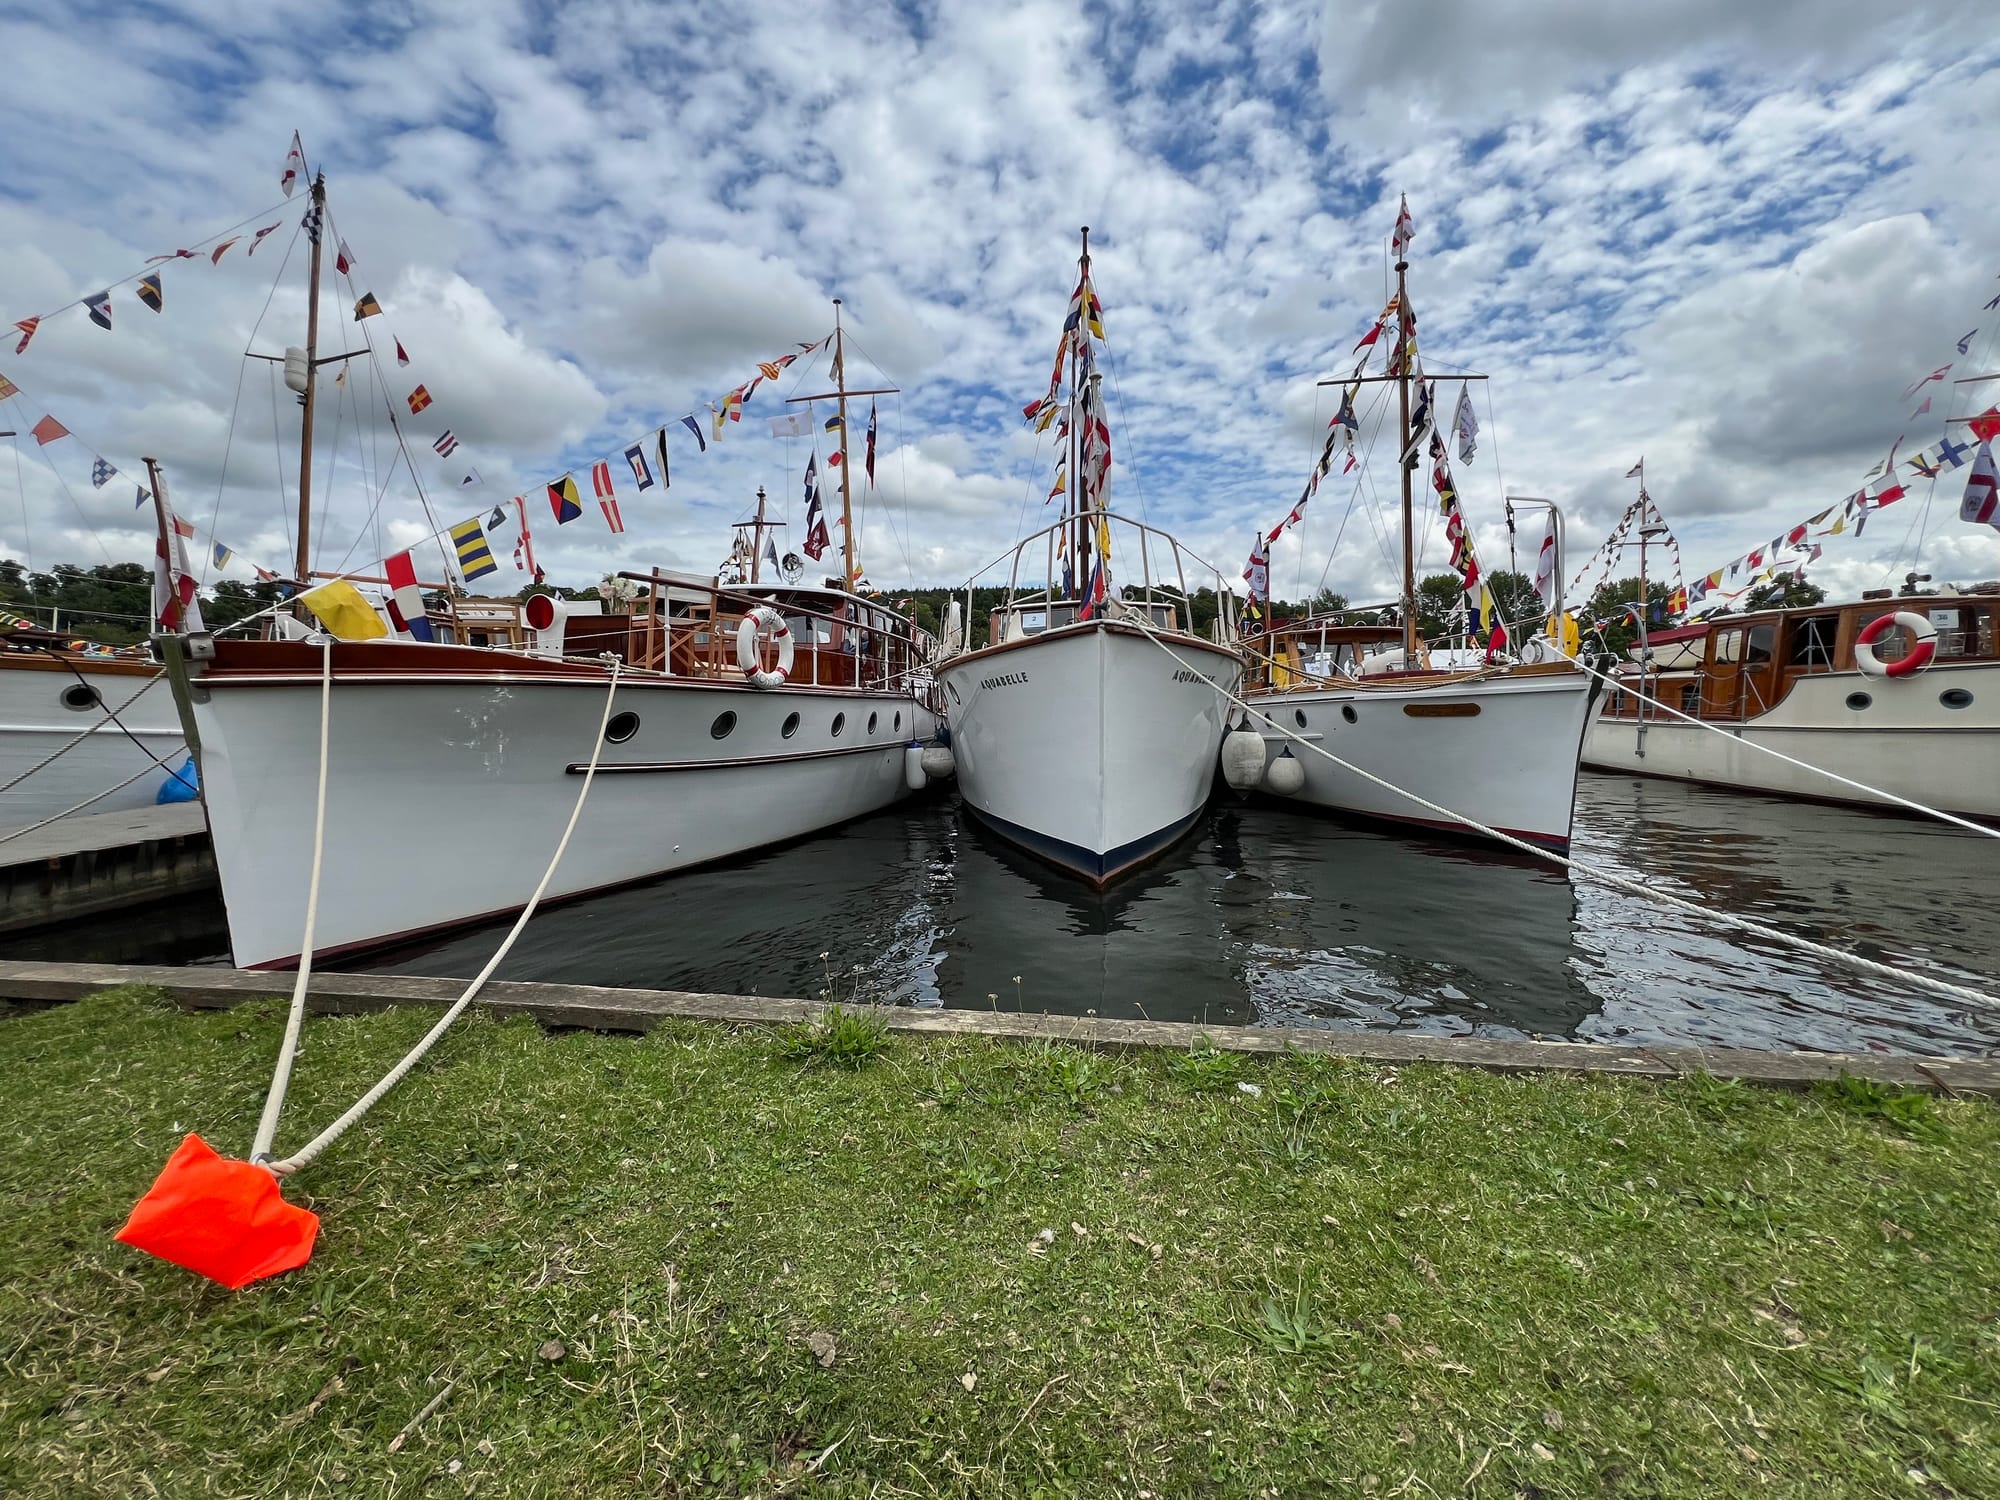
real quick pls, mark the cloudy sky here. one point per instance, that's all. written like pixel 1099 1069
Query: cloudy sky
pixel 1722 236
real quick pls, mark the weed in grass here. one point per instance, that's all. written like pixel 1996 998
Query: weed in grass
pixel 1287 1325
pixel 1068 1072
pixel 1204 1069
pixel 849 1038
pixel 1909 1112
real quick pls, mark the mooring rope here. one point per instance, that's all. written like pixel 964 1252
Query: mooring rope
pixel 1606 877
pixel 1790 760
pixel 92 800
pixel 307 1154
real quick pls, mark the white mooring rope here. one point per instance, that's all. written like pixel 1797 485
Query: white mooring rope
pixel 1606 877
pixel 1790 760
pixel 307 1154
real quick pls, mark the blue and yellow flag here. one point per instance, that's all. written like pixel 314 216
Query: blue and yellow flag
pixel 475 560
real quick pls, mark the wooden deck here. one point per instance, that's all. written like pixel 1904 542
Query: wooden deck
pixel 639 1010
pixel 85 866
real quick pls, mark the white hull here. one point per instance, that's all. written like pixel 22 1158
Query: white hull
pixel 447 797
pixel 1089 746
pixel 1511 765
pixel 1906 741
pixel 35 723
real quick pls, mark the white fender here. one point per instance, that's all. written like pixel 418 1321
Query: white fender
pixel 1286 775
pixel 939 762
pixel 1243 759
pixel 761 623
pixel 913 767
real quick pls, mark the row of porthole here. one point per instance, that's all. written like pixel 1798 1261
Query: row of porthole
pixel 1346 712
pixel 725 725
pixel 1950 698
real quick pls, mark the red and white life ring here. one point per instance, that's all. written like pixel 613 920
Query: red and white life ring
pixel 762 624
pixel 1923 645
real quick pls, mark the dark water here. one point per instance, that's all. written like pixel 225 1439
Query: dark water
pixel 1269 915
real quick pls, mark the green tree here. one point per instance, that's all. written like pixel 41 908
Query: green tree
pixel 1610 602
pixel 1787 591
pixel 1440 602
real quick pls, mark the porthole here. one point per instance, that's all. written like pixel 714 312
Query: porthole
pixel 839 723
pixel 1347 712
pixel 791 726
pixel 954 692
pixel 1858 701
pixel 1955 698
pixel 621 728
pixel 899 721
pixel 722 727
pixel 81 696
pixel 872 718
pixel 1299 717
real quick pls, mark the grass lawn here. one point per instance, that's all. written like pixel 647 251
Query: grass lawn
pixel 717 1262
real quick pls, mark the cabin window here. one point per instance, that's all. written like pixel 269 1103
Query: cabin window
pixel 1963 631
pixel 622 727
pixel 1757 651
pixel 724 725
pixel 1299 717
pixel 839 723
pixel 791 726
pixel 1729 646
pixel 954 692
pixel 1810 643
pixel 1859 701
pixel 871 723
pixel 478 638
pixel 1955 698
pixel 1347 712
pixel 80 696
pixel 899 721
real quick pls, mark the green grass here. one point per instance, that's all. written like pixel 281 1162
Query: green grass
pixel 966 1267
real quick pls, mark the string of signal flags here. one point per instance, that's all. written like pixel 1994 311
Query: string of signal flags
pixel 648 459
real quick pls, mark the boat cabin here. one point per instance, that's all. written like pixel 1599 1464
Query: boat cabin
pixel 1746 664
pixel 1311 653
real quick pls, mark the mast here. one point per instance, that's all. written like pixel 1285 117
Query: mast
pixel 312 379
pixel 1080 539
pixel 158 485
pixel 1407 465
pixel 846 479
pixel 757 537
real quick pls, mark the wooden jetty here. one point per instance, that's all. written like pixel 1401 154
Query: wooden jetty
pixel 85 866
pixel 598 1008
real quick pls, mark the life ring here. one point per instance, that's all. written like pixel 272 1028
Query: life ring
pixel 763 621
pixel 1923 645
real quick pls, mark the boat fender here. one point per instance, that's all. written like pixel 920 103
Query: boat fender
pixel 1923 645
pixel 939 762
pixel 1243 759
pixel 761 624
pixel 1286 775
pixel 913 767
pixel 183 785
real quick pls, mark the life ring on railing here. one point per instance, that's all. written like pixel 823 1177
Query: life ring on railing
pixel 761 624
pixel 1923 645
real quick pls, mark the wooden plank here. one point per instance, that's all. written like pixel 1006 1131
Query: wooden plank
pixel 600 1008
pixel 113 830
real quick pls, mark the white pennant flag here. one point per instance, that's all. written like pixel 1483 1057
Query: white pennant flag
pixel 1545 570
pixel 1467 423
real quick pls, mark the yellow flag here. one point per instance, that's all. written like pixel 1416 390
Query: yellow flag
pixel 344 612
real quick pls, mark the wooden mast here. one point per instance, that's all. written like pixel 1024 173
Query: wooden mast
pixel 1078 541
pixel 318 212
pixel 846 479
pixel 1408 463
pixel 158 485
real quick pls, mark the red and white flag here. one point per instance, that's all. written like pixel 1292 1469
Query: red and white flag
pixel 401 357
pixel 406 600
pixel 295 166
pixel 174 605
pixel 1545 570
pixel 1982 491
pixel 607 496
pixel 1406 229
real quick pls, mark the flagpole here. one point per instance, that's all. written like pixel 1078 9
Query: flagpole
pixel 757 547
pixel 1081 540
pixel 318 211
pixel 846 484
pixel 166 569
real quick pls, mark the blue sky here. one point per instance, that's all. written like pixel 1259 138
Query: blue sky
pixel 1725 237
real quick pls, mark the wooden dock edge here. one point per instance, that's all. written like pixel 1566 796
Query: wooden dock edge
pixel 605 1009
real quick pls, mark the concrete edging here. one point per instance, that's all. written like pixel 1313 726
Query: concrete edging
pixel 606 1009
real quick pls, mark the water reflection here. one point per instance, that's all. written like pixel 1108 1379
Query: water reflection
pixel 1273 915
